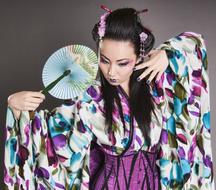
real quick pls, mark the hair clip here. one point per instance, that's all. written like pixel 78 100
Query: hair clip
pixel 106 8
pixel 142 11
pixel 143 36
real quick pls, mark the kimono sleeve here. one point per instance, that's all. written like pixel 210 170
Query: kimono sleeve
pixel 185 159
pixel 50 151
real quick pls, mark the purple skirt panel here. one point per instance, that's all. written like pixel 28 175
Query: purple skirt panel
pixel 135 171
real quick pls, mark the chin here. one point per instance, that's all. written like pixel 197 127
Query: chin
pixel 114 83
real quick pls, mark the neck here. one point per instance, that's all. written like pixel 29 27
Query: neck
pixel 125 87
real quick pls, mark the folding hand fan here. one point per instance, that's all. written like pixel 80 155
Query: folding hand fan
pixel 69 71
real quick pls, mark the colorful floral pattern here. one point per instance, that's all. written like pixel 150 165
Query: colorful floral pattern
pixel 52 150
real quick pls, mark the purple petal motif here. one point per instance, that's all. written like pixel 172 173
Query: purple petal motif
pixel 197 73
pixel 164 136
pixel 112 138
pixel 207 161
pixel 197 114
pixel 199 53
pixel 80 127
pixel 181 152
pixel 191 99
pixel 42 173
pixel 42 187
pixel 27 130
pixel 59 185
pixel 169 92
pixel 52 158
pixel 36 124
pixel 59 141
pixel 182 138
pixel 170 77
pixel 138 140
pixel 94 94
pixel 196 91
pixel 23 153
pixel 191 150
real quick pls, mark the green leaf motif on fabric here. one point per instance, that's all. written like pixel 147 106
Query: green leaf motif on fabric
pixel 180 91
pixel 172 140
pixel 114 127
pixel 193 187
pixel 180 125
pixel 200 144
pixel 185 113
pixel 54 171
pixel 12 171
pixel 43 145
pixel 119 150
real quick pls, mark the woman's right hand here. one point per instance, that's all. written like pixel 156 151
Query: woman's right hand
pixel 25 101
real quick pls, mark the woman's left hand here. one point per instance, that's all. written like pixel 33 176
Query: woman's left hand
pixel 155 66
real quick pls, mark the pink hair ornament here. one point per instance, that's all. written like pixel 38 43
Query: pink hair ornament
pixel 106 8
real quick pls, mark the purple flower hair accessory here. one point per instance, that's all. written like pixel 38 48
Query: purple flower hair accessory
pixel 143 36
pixel 102 25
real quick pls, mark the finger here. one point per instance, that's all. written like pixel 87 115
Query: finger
pixel 34 100
pixel 159 76
pixel 138 60
pixel 142 65
pixel 36 94
pixel 145 73
pixel 31 106
pixel 153 52
pixel 152 75
pixel 30 109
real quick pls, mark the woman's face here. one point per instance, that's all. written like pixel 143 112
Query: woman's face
pixel 117 60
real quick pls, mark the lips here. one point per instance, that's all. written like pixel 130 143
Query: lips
pixel 113 80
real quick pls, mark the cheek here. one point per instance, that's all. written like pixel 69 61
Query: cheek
pixel 103 69
pixel 126 72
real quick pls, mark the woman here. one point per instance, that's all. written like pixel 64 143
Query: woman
pixel 143 126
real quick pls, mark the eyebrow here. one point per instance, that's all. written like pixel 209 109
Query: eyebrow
pixel 117 60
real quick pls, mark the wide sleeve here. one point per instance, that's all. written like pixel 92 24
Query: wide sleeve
pixel 50 151
pixel 185 158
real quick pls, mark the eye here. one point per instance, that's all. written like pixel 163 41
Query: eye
pixel 123 64
pixel 104 61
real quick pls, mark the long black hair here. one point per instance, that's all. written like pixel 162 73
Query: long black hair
pixel 125 25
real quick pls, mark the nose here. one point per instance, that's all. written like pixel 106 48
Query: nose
pixel 111 71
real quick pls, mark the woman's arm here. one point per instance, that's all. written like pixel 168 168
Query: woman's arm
pixel 24 101
pixel 185 52
pixel 186 155
pixel 51 150
pixel 173 54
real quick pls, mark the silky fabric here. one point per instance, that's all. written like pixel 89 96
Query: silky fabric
pixel 52 149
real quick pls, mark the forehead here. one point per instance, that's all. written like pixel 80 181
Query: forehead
pixel 116 50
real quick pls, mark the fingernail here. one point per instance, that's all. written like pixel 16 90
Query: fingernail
pixel 138 79
pixel 147 81
pixel 156 81
pixel 134 68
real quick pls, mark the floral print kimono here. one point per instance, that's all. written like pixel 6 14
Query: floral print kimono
pixel 56 150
